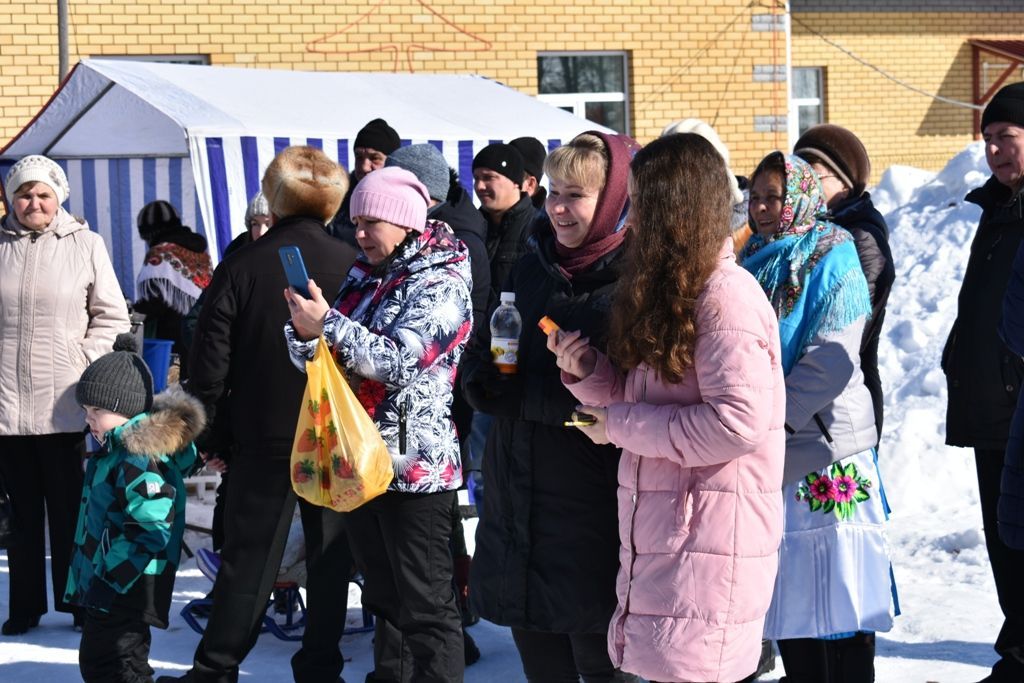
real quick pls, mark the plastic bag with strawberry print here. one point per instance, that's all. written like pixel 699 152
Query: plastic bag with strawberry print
pixel 339 459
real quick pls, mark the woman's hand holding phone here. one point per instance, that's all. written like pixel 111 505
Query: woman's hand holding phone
pixel 307 314
pixel 573 353
pixel 596 431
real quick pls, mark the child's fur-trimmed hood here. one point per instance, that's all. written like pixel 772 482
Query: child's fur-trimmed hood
pixel 174 421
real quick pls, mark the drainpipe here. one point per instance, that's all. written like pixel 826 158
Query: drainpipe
pixel 62 40
pixel 792 123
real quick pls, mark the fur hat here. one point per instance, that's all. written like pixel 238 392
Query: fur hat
pixel 157 217
pixel 840 150
pixel 378 135
pixel 36 168
pixel 534 154
pixel 698 127
pixel 1007 105
pixel 391 194
pixel 257 207
pixel 303 181
pixel 119 381
pixel 503 159
pixel 427 164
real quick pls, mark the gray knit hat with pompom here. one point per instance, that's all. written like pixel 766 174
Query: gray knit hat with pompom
pixel 119 381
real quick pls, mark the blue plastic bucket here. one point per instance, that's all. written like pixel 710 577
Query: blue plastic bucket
pixel 157 354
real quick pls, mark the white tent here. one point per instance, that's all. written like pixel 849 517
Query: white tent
pixel 127 133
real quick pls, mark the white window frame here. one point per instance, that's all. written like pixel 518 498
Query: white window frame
pixel 578 101
pixel 797 102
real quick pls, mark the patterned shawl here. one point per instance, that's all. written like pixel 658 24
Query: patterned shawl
pixel 175 275
pixel 809 268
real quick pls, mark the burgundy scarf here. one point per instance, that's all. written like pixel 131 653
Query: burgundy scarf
pixel 607 229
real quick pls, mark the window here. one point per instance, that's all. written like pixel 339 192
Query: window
pixel 202 60
pixel 808 103
pixel 588 84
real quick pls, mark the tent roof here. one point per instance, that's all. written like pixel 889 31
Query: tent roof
pixel 167 103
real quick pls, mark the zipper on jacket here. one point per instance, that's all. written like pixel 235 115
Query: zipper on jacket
pixel 821 426
pixel 632 511
pixel 403 412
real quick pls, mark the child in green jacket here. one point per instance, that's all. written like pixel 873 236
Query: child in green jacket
pixel 132 515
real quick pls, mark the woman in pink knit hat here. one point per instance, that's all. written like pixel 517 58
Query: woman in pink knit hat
pixel 397 328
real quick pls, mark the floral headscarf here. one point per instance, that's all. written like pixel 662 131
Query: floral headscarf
pixel 807 302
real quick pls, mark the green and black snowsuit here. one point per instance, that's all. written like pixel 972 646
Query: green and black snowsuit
pixel 132 515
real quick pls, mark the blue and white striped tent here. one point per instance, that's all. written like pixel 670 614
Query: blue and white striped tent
pixel 127 133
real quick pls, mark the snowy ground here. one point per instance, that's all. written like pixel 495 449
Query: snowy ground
pixel 950 615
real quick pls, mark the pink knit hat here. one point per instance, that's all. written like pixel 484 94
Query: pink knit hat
pixel 391 194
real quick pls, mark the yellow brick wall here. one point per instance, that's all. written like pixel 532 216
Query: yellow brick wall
pixel 926 51
pixel 687 58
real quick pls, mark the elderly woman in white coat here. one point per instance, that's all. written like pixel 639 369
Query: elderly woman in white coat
pixel 60 309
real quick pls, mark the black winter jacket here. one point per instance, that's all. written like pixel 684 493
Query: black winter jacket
pixel 239 350
pixel 871 236
pixel 341 226
pixel 1011 498
pixel 506 243
pixel 982 375
pixel 470 226
pixel 547 545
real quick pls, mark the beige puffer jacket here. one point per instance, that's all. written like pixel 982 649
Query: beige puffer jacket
pixel 60 308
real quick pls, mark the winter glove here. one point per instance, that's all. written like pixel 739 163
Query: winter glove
pixel 100 595
pixel 489 391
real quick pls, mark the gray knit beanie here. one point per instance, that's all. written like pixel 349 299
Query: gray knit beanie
pixel 120 381
pixel 427 164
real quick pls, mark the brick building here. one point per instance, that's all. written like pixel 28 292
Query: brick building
pixel 632 64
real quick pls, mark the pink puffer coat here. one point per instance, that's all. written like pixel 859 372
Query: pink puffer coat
pixel 700 502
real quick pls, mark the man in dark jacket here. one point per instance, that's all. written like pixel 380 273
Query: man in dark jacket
pixel 239 352
pixel 983 376
pixel 842 164
pixel 497 181
pixel 373 143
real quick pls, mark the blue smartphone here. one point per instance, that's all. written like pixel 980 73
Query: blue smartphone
pixel 295 269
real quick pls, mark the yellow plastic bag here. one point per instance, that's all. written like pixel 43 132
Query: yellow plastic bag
pixel 339 459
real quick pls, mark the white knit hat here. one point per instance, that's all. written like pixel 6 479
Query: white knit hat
pixel 36 168
pixel 698 127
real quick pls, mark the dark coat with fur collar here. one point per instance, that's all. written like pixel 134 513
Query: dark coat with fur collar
pixel 132 516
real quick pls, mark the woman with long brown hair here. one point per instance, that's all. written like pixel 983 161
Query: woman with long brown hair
pixel 692 391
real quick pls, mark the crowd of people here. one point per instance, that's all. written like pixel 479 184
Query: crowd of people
pixel 683 471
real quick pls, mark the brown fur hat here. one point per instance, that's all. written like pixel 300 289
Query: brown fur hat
pixel 303 181
pixel 840 150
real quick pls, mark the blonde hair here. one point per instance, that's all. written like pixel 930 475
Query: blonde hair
pixel 303 181
pixel 582 161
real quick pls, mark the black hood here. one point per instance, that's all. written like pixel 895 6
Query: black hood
pixel 458 212
pixel 860 211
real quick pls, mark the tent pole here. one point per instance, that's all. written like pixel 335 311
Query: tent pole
pixel 62 40
pixel 78 116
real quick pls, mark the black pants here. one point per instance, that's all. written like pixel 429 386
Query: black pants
pixel 43 475
pixel 257 516
pixel 810 660
pixel 400 542
pixel 1007 569
pixel 566 657
pixel 114 649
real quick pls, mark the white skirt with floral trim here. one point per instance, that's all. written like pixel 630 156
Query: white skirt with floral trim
pixel 834 570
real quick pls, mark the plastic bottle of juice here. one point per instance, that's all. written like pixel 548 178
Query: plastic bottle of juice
pixel 506 326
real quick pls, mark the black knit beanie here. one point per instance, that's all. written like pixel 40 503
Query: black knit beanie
pixel 378 135
pixel 119 381
pixel 840 150
pixel 1006 106
pixel 157 217
pixel 534 154
pixel 503 159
